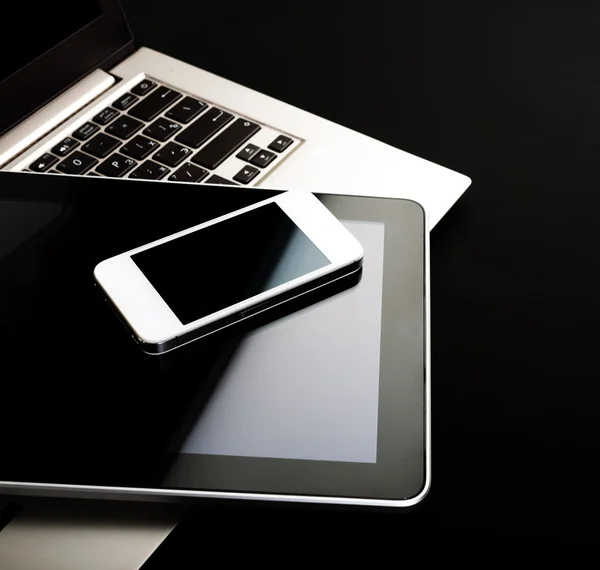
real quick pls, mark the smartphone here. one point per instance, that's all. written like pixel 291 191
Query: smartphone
pixel 198 281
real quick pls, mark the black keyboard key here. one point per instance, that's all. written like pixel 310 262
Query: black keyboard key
pixel 204 127
pixel 248 152
pixel 143 87
pixel 125 101
pixel 139 147
pixel 214 179
pixel 225 144
pixel 281 143
pixel 153 105
pixel 43 163
pixel 124 127
pixel 101 145
pixel 116 165
pixel 186 110
pixel 76 163
pixel 149 170
pixel 92 173
pixel 105 116
pixel 246 174
pixel 263 158
pixel 162 129
pixel 189 173
pixel 65 147
pixel 172 154
pixel 86 131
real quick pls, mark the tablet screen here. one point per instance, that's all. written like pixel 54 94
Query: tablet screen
pixel 275 402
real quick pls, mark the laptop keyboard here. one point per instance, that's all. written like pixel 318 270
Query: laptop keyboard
pixel 154 132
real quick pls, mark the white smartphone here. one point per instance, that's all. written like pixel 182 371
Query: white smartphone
pixel 192 283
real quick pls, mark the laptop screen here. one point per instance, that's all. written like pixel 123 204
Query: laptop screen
pixel 61 43
pixel 50 24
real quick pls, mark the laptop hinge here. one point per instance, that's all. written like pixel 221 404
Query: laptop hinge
pixel 53 114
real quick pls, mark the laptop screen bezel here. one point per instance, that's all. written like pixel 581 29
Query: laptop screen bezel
pixel 98 45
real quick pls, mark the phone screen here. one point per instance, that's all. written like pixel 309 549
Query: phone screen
pixel 210 269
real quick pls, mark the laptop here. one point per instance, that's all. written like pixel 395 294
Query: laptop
pixel 83 99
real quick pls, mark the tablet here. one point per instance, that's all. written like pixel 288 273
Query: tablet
pixel 328 403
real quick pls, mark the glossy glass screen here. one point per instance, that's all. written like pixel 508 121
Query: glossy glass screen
pixel 42 26
pixel 228 262
pixel 319 408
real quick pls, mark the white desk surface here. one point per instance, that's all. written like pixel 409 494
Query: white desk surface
pixel 66 534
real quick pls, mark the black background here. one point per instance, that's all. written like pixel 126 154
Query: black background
pixel 509 94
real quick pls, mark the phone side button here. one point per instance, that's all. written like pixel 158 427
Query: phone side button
pixel 254 309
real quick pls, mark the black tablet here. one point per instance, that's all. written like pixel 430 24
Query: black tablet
pixel 328 402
